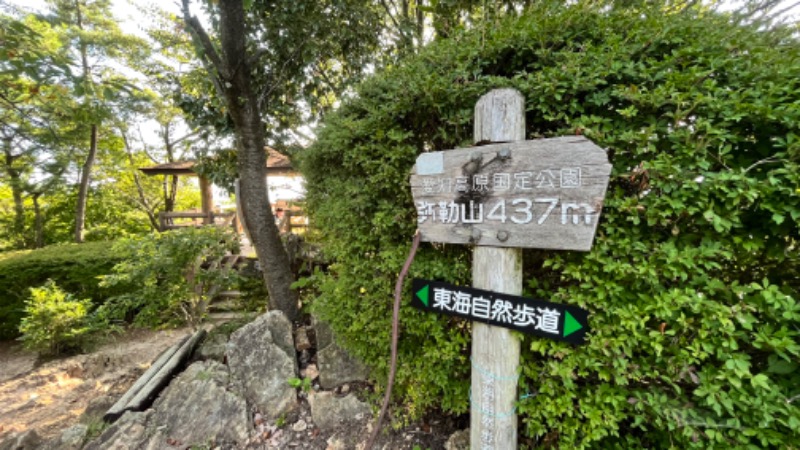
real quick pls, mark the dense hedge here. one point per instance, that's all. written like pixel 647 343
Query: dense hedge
pixel 74 267
pixel 693 281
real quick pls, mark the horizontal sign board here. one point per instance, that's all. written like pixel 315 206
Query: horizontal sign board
pixel 545 193
pixel 538 317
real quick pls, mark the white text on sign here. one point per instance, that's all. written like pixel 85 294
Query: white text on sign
pixel 520 211
pixel 544 319
pixel 564 178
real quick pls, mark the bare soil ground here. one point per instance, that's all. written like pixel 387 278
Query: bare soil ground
pixel 49 396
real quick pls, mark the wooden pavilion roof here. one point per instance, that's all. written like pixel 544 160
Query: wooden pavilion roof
pixel 277 164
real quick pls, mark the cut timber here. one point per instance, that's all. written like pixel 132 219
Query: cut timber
pixel 119 407
pixel 149 385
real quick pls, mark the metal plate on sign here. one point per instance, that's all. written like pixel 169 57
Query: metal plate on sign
pixel 545 193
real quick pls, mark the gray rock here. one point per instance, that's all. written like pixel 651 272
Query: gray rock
pixel 194 410
pixel 310 372
pixel 197 409
pixel 324 333
pixel 262 359
pixel 213 348
pixel 96 408
pixel 329 411
pixel 336 367
pixel 335 443
pixel 26 440
pixel 299 426
pixel 71 439
pixel 301 341
pixel 127 433
pixel 458 441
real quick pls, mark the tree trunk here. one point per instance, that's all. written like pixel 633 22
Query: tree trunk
pixel 171 186
pixel 15 181
pixel 252 160
pixel 38 223
pixel 86 171
pixel 172 194
pixel 83 188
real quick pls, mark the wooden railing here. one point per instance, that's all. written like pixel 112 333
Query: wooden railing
pixel 293 220
pixel 166 219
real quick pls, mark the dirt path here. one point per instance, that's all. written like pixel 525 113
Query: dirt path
pixel 51 396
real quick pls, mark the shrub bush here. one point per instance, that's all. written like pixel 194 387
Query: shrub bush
pixel 692 284
pixel 73 267
pixel 170 277
pixel 54 321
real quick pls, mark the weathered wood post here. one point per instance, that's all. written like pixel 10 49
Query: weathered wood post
pixel 499 117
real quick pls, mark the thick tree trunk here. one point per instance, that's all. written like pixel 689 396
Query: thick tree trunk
pixel 252 160
pixel 83 188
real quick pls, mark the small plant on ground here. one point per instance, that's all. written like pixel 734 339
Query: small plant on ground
pixel 55 322
pixel 95 428
pixel 303 383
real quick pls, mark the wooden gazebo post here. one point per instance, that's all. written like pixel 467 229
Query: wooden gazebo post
pixel 206 200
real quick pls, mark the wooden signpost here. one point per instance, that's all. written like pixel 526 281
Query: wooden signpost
pixel 531 194
pixel 502 197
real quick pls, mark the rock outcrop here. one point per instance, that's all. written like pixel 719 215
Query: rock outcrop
pixel 330 411
pixel 336 366
pixel 261 359
pixel 28 440
pixel 196 409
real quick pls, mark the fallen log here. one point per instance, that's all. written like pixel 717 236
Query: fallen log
pixel 142 394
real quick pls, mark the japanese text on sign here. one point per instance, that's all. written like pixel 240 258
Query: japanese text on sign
pixel 534 316
pixel 528 181
pixel 521 211
pixel 499 310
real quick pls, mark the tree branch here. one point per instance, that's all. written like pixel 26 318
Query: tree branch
pixel 211 59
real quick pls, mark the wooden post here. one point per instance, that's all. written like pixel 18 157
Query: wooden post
pixel 499 117
pixel 206 200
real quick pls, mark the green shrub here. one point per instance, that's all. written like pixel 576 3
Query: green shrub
pixel 692 284
pixel 170 277
pixel 76 268
pixel 54 321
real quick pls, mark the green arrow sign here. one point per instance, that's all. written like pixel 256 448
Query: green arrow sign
pixel 539 317
pixel 571 325
pixel 422 294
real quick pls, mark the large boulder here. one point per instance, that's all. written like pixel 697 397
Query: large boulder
pixel 27 440
pixel 336 365
pixel 196 409
pixel 212 348
pixel 127 433
pixel 262 359
pixel 330 411
pixel 70 439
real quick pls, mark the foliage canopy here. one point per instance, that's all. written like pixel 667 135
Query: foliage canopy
pixel 692 285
